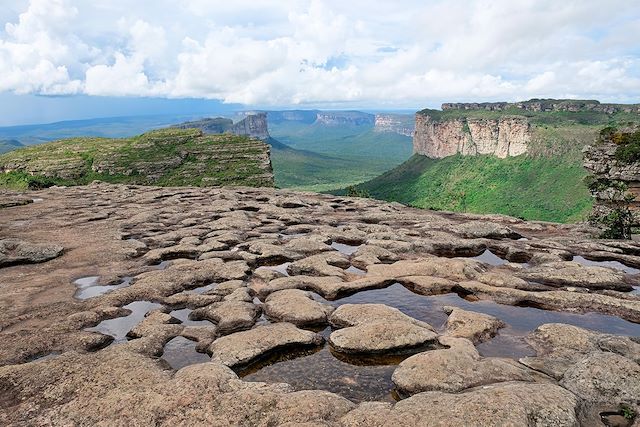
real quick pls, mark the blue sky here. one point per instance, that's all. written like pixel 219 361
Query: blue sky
pixel 118 57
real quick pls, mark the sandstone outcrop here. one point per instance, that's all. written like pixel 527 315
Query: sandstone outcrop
pixel 68 361
pixel 245 347
pixel 401 124
pixel 164 157
pixel 503 137
pixel 16 251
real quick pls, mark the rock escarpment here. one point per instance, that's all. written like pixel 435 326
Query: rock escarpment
pixel 546 105
pixel 503 137
pixel 254 125
pixel 615 167
pixel 162 157
pixel 401 124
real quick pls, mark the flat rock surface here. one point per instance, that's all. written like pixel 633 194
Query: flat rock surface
pixel 16 251
pixel 225 254
pixel 477 327
pixel 244 347
pixel 454 369
pixel 297 307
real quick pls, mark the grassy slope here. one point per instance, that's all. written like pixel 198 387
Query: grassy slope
pixel 541 188
pixel 154 152
pixel 324 158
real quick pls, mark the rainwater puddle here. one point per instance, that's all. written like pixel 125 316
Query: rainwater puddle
pixel 490 258
pixel 201 289
pixel 355 270
pixel 119 326
pixel 88 287
pixel 181 352
pixel 367 378
pixel 161 266
pixel 611 264
pixel 358 379
pixel 281 268
pixel 344 249
pixel 183 316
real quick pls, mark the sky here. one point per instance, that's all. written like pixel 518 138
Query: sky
pixel 74 58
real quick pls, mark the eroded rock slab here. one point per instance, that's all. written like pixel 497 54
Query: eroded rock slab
pixel 454 369
pixel 476 327
pixel 297 307
pixel 16 251
pixel 245 347
pixel 376 328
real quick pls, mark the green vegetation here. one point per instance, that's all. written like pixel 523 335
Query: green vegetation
pixel 163 157
pixel 325 158
pixel 550 189
pixel 627 412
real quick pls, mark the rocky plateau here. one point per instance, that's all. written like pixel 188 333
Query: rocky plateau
pixel 133 305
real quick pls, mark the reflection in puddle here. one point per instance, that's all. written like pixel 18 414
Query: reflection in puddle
pixel 490 258
pixel 181 352
pixel 355 270
pixel 183 316
pixel 281 268
pixel 361 379
pixel 201 289
pixel 119 326
pixel 611 264
pixel 88 287
pixel 320 369
pixel 161 266
pixel 344 249
pixel 286 237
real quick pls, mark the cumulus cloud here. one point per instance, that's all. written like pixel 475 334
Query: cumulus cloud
pixel 324 52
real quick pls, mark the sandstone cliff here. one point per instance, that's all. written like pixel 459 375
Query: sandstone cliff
pixel 402 124
pixel 254 125
pixel 161 157
pixel 503 137
pixel 342 118
pixel 615 177
pixel 546 105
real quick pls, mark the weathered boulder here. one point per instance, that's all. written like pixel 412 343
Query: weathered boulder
pixel 245 347
pixel 377 328
pixel 454 369
pixel 573 274
pixel 16 251
pixel 229 316
pixel 297 307
pixel 508 404
pixel 476 327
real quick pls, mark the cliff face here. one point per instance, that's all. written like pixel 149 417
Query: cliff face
pixel 254 126
pixel 401 124
pixel 546 105
pixel 162 157
pixel 612 178
pixel 342 118
pixel 507 136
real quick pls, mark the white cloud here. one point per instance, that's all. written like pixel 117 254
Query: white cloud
pixel 405 53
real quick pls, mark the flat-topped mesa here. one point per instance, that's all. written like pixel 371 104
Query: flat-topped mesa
pixel 501 137
pixel 402 124
pixel 254 125
pixel 168 157
pixel 546 105
pixel 506 129
pixel 341 118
